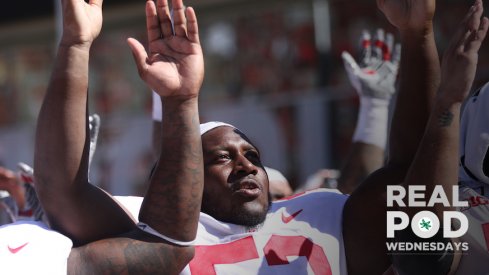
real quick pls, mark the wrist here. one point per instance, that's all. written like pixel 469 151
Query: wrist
pixel 171 102
pixel 372 122
pixel 80 46
pixel 417 31
pixel 451 95
pixel 182 99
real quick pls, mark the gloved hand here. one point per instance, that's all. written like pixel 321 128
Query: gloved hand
pixel 375 76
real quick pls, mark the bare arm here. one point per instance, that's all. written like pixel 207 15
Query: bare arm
pixel 419 78
pixel 437 159
pixel 131 254
pixel 73 206
pixel 109 241
pixel 174 69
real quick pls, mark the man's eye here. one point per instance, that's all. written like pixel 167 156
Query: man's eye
pixel 253 156
pixel 222 156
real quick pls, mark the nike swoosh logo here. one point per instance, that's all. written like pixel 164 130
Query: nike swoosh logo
pixel 16 249
pixel 287 219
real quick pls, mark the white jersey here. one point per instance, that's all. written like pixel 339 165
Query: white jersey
pixel 301 235
pixel 476 259
pixel 29 247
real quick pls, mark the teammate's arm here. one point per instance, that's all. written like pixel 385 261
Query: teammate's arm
pixel 364 216
pixel 436 163
pixel 374 78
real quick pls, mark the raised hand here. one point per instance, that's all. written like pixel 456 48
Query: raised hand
pixel 82 21
pixel 174 65
pixel 375 76
pixel 459 62
pixel 408 14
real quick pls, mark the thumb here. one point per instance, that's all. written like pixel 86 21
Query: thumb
pixel 350 64
pixel 140 55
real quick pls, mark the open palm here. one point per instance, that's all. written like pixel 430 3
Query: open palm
pixel 173 65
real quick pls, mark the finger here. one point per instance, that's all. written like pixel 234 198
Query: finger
pixel 163 11
pixel 478 36
pixel 179 20
pixel 468 27
pixel 473 20
pixel 366 47
pixel 350 63
pixel 139 54
pixel 462 33
pixel 378 46
pixel 192 26
pixel 152 24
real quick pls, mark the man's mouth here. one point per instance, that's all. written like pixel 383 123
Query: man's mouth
pixel 247 188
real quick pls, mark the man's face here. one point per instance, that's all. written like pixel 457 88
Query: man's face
pixel 235 183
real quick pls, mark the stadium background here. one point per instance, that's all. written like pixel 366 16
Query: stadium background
pixel 273 68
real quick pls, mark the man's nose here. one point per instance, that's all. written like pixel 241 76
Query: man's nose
pixel 244 165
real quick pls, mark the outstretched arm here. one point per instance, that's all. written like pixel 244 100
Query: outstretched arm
pixel 419 75
pixel 73 206
pixel 436 158
pixel 436 161
pixel 374 79
pixel 419 79
pixel 174 68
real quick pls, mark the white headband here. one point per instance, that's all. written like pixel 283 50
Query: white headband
pixel 206 127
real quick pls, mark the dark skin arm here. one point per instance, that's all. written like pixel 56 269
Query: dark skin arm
pixel 436 160
pixel 73 206
pixel 172 205
pixel 419 78
pixel 174 68
pixel 134 253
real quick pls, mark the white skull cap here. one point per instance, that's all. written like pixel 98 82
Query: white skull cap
pixel 206 127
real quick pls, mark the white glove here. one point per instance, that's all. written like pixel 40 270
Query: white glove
pixel 376 74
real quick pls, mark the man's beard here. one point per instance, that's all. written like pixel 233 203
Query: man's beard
pixel 249 219
pixel 239 216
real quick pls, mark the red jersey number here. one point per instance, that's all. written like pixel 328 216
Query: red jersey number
pixel 276 251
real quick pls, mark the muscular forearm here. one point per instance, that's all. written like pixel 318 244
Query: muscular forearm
pixel 61 129
pixel 437 160
pixel 419 80
pixel 172 203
